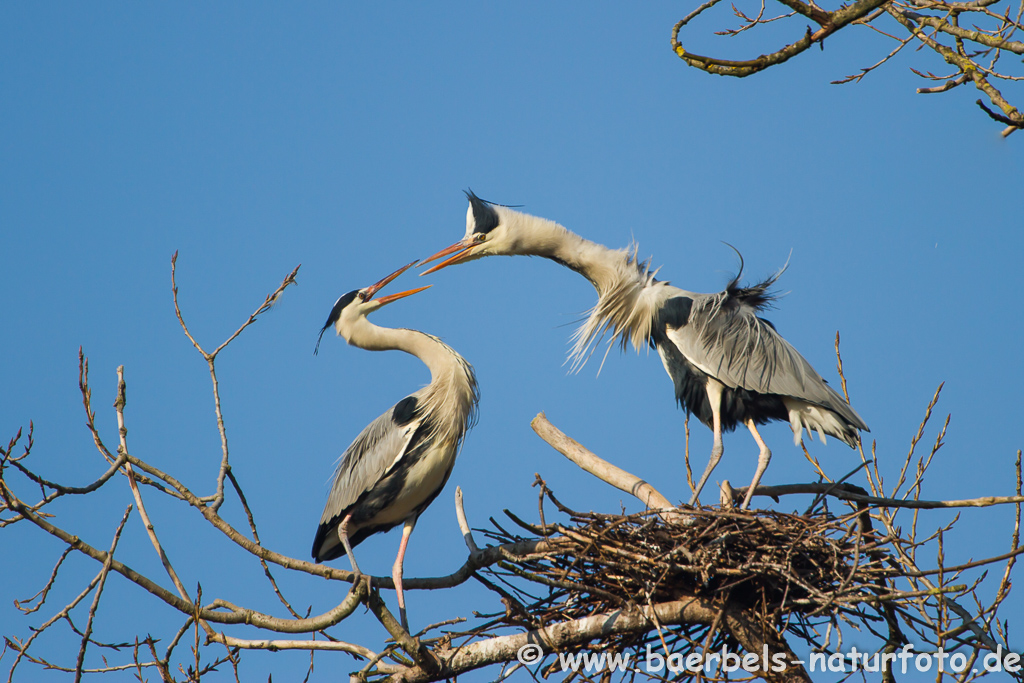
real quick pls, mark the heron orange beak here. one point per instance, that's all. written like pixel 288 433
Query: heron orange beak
pixel 460 251
pixel 384 300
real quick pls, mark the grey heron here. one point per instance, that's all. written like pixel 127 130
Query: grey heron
pixel 729 366
pixel 400 462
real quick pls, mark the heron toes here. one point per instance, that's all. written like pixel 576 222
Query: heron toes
pixel 359 577
pixel 763 458
pixel 716 454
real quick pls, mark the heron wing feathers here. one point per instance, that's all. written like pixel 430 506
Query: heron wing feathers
pixel 726 339
pixel 373 454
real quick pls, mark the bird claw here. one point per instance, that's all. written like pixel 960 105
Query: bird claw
pixel 359 577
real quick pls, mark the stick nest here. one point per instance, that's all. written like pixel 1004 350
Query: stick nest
pixel 772 564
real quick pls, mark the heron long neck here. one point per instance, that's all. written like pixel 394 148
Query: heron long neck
pixel 605 268
pixel 628 294
pixel 434 353
pixel 452 380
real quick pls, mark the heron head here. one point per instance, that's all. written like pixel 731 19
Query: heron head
pixel 489 232
pixel 353 307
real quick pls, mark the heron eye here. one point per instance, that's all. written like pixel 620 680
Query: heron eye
pixel 480 237
pixel 362 296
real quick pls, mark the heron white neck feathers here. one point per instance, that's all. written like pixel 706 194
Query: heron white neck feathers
pixel 628 293
pixel 450 399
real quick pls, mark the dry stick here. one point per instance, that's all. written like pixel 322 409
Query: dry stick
pixel 467 532
pixel 570 634
pixel 83 386
pixel 45 590
pixel 275 645
pixel 602 469
pixel 1004 584
pixel 313 645
pixel 1013 117
pixel 540 503
pixel 23 648
pixel 374 662
pixel 425 659
pixel 906 562
pixel 119 406
pixel 196 622
pixel 211 357
pixel 948 85
pixel 90 416
pixel 175 640
pixel 874 482
pixel 104 670
pixel 61 490
pixel 58 489
pixel 96 599
pixel 842 494
pixel 355 596
pixel 256 538
pixel 518 551
pixel 532 528
pixel 830 22
pixel 865 528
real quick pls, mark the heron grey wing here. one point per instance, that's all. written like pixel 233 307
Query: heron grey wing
pixel 741 350
pixel 377 449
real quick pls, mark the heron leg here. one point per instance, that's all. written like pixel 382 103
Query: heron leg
pixel 763 458
pixel 396 571
pixel 714 390
pixel 343 535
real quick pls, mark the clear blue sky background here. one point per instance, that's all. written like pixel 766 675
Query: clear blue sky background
pixel 252 139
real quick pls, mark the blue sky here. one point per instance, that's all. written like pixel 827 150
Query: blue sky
pixel 251 139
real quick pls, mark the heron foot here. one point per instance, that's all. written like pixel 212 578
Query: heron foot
pixel 716 454
pixel 359 577
pixel 763 458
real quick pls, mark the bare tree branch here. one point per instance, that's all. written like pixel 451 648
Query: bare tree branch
pixel 964 48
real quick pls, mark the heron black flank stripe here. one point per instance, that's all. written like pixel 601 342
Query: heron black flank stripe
pixel 728 365
pixel 401 461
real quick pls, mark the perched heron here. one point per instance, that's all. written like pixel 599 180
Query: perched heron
pixel 400 461
pixel 729 366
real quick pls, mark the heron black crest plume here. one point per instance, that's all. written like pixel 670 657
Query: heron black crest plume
pixel 756 295
pixel 729 366
pixel 400 462
pixel 343 301
pixel 485 217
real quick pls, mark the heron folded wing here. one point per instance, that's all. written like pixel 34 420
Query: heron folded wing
pixel 377 449
pixel 729 342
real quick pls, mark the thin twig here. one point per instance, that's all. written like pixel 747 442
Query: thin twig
pixel 96 598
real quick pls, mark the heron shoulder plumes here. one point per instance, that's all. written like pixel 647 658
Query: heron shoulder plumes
pixel 729 366
pixel 401 461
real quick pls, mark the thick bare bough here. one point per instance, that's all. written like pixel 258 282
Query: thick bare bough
pixel 705 584
pixel 939 25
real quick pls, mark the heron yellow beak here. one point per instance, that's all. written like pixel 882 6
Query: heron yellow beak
pixel 384 300
pixel 458 252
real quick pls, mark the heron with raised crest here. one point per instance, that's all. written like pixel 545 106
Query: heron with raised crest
pixel 729 366
pixel 401 461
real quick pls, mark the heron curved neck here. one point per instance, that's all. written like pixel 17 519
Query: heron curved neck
pixel 436 355
pixel 628 294
pixel 603 267
pixel 451 397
